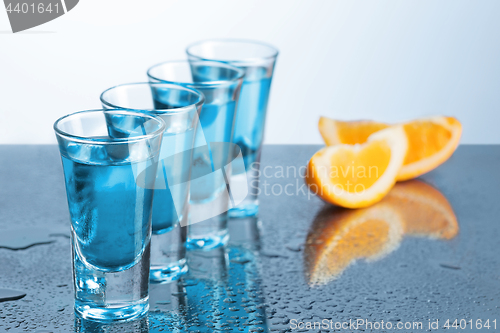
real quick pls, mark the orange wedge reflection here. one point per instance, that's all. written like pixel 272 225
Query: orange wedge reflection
pixel 340 236
pixel 425 210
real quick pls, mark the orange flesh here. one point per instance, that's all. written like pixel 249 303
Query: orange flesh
pixel 364 167
pixel 424 140
pixel 357 132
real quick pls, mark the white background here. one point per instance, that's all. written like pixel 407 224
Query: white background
pixel 383 60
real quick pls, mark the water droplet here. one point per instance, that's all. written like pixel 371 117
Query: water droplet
pixel 21 239
pixel 10 295
pixel 179 294
pixel 449 266
pixel 240 260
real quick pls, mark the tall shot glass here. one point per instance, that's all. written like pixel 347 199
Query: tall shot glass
pixel 110 160
pixel 179 108
pixel 210 197
pixel 257 60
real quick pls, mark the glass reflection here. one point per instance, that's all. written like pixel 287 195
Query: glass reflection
pixel 140 325
pixel 221 292
pixel 340 236
pixel 227 295
pixel 168 304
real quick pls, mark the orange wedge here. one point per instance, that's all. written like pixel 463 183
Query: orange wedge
pixel 424 209
pixel 431 141
pixel 341 236
pixel 336 132
pixel 355 176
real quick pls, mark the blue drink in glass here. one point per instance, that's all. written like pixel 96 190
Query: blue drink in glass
pixel 209 198
pixel 257 60
pixel 178 107
pixel 109 184
pixel 249 129
pixel 105 205
pixel 165 212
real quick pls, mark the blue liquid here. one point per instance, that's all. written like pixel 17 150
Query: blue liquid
pixel 169 204
pixel 216 125
pixel 216 121
pixel 164 213
pixel 250 120
pixel 110 214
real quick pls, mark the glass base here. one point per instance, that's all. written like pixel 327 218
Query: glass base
pixel 209 242
pixel 248 210
pixel 168 274
pixel 112 314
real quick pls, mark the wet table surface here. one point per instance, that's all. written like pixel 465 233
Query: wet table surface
pixel 426 254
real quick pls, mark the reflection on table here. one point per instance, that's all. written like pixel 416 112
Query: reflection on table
pixel 340 236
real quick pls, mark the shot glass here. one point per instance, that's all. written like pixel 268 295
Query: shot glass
pixel 110 160
pixel 179 108
pixel 210 197
pixel 257 60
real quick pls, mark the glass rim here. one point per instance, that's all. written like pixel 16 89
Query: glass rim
pixel 187 108
pixel 274 54
pixel 84 139
pixel 240 73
